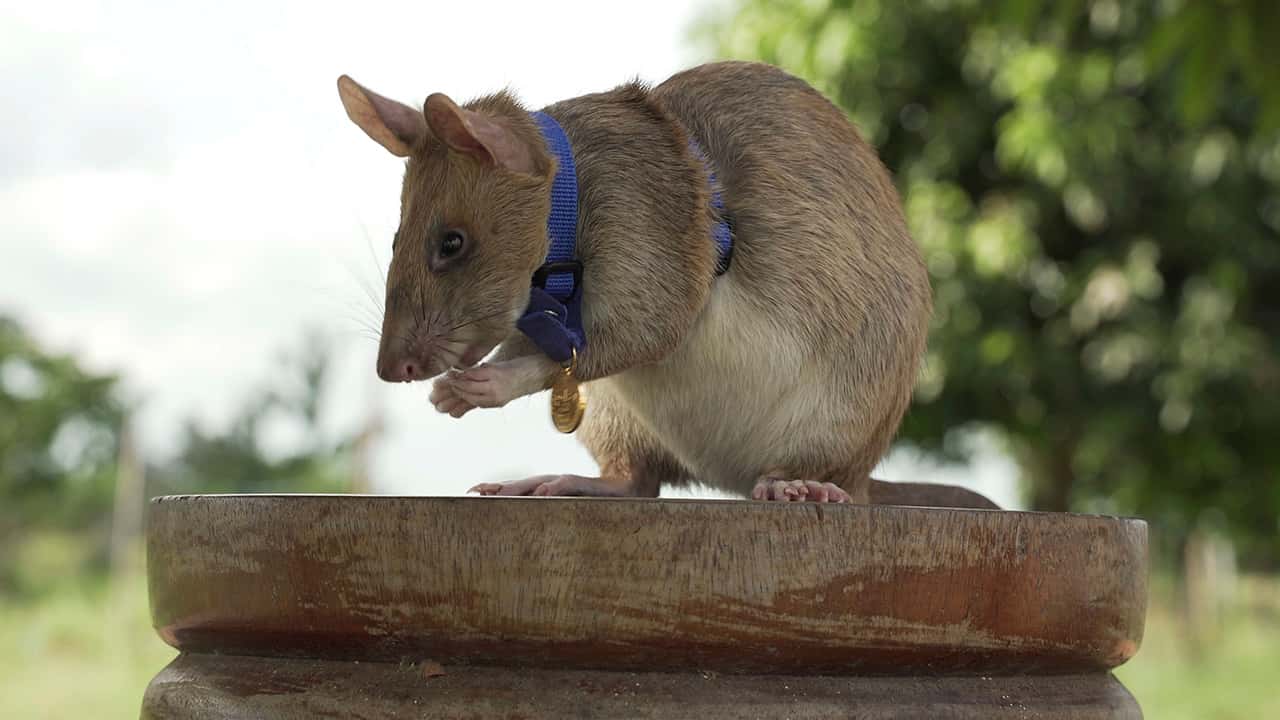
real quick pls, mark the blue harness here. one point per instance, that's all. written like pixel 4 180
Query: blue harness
pixel 553 319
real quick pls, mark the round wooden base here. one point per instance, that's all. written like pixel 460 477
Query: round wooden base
pixel 304 606
pixel 211 687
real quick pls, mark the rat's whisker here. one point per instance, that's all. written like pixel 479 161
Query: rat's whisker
pixel 364 318
pixel 364 325
pixel 451 353
pixel 373 308
pixel 365 288
pixel 377 263
pixel 371 329
pixel 422 304
pixel 360 333
pixel 473 321
pixel 369 309
pixel 402 298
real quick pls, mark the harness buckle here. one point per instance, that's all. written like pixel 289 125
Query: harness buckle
pixel 573 267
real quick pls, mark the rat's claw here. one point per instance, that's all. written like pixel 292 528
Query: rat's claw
pixel 526 486
pixel 446 399
pixel 553 485
pixel 816 491
pixel 442 390
pixel 771 487
pixel 457 407
pixel 775 489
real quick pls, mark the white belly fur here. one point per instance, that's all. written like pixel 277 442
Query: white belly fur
pixel 739 397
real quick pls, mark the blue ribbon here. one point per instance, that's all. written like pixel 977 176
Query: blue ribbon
pixel 720 232
pixel 553 319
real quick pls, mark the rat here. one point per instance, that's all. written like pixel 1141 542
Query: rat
pixel 778 370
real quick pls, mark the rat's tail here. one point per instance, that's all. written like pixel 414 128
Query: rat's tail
pixel 927 495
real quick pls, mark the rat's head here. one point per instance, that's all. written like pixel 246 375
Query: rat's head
pixel 473 219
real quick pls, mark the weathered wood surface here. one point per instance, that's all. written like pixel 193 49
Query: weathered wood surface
pixel 639 585
pixel 209 687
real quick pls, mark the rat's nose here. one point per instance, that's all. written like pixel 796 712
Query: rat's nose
pixel 402 371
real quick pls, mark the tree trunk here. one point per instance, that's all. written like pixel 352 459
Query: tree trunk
pixel 1052 479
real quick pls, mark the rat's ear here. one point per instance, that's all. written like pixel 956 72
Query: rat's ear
pixel 396 126
pixel 476 134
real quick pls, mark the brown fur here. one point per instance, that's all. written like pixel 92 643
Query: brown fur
pixel 439 315
pixel 825 308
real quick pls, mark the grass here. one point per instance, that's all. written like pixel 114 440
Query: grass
pixel 1233 674
pixel 87 650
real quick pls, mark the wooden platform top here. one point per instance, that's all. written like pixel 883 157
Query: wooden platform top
pixel 723 586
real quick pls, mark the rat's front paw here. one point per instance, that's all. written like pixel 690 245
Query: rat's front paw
pixel 493 385
pixel 487 386
pixel 446 399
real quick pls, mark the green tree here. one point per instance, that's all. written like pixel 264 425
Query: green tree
pixel 59 435
pixel 1096 189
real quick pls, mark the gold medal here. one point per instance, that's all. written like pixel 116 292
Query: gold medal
pixel 567 404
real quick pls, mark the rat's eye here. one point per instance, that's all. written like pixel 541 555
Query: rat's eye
pixel 451 244
pixel 448 248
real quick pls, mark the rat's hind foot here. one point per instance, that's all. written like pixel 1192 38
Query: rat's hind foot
pixel 773 487
pixel 562 485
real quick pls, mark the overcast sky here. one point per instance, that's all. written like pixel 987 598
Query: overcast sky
pixel 181 194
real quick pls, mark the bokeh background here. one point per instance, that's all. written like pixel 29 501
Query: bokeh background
pixel 192 237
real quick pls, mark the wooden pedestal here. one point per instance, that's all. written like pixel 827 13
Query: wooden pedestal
pixel 346 606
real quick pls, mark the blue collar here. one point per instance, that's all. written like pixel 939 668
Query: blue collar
pixel 553 319
pixel 720 232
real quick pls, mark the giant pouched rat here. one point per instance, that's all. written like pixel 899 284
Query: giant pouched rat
pixel 784 377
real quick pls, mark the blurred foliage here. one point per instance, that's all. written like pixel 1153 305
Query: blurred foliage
pixel 60 435
pixel 59 429
pixel 1096 189
pixel 240 458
